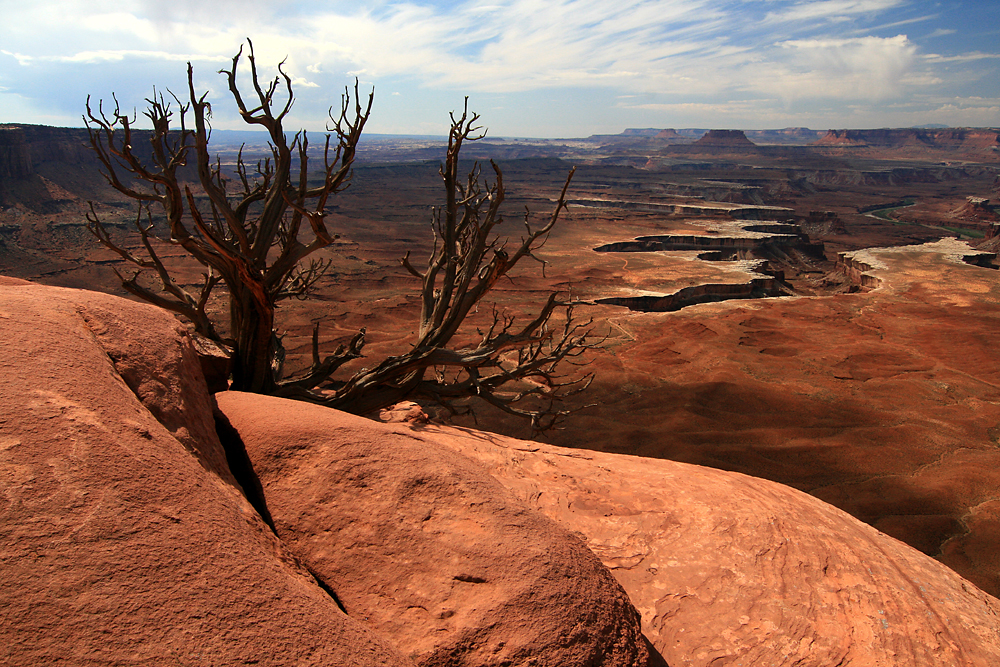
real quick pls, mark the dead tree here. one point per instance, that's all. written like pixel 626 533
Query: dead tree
pixel 518 369
pixel 253 232
pixel 250 237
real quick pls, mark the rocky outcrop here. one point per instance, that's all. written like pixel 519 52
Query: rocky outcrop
pixel 123 540
pixel 724 138
pixel 858 266
pixel 977 210
pixel 427 547
pixel 732 570
pixel 121 543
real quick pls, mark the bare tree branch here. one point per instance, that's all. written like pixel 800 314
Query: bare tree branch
pixel 256 231
pixel 515 369
pixel 248 237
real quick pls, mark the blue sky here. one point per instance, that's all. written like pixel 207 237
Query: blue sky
pixel 561 68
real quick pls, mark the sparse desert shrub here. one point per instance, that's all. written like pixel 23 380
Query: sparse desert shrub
pixel 255 234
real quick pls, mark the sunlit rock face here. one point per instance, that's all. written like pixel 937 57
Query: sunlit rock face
pixel 123 539
pixel 427 547
pixel 126 537
pixel 728 569
pixel 944 139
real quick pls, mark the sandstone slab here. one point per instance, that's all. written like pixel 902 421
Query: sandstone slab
pixel 428 548
pixel 728 569
pixel 122 539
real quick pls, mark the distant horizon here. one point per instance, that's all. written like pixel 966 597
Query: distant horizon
pixel 623 133
pixel 562 68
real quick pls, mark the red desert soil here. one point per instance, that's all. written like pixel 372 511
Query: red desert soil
pixel 885 403
pixel 726 569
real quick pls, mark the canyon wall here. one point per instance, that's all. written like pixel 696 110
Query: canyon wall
pixel 24 147
pixel 15 160
pixel 949 138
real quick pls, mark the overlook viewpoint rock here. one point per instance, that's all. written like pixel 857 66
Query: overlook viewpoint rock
pixel 127 538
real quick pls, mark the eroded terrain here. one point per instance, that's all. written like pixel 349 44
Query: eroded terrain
pixel 737 335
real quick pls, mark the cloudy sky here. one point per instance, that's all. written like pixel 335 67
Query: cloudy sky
pixel 542 68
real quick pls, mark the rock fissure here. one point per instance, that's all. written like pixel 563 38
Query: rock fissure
pixel 242 469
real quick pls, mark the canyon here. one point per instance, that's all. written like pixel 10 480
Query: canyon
pixel 810 322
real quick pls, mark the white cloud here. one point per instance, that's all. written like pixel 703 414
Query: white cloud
pixel 864 68
pixel 960 58
pixel 299 82
pixel 665 53
pixel 21 59
pixel 896 24
pixel 830 10
pixel 123 54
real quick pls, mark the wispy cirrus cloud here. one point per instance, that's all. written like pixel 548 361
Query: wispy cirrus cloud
pixel 960 58
pixel 830 10
pixel 678 56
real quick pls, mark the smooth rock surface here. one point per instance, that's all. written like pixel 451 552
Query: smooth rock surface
pixel 121 541
pixel 728 569
pixel 429 549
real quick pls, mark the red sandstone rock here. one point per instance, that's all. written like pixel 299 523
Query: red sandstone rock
pixel 724 138
pixel 428 548
pixel 119 545
pixel 669 133
pixel 732 570
pixel 406 412
pixel 955 139
pixel 121 541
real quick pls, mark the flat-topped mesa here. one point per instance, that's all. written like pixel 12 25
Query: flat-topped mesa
pixel 26 150
pixel 841 138
pixel 640 132
pixel 724 138
pixel 950 138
